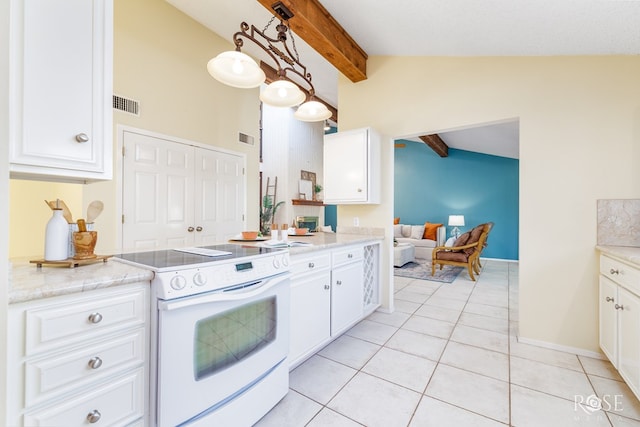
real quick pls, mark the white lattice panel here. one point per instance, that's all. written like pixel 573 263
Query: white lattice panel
pixel 371 287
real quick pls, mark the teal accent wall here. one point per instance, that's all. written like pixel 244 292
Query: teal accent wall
pixel 479 186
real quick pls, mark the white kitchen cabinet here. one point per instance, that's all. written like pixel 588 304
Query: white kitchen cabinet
pixel 331 291
pixel 80 359
pixel 620 318
pixel 346 289
pixel 310 305
pixel 609 319
pixel 352 167
pixel 61 89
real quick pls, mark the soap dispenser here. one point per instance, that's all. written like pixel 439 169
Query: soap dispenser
pixel 56 239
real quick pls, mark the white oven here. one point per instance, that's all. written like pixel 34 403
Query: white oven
pixel 220 336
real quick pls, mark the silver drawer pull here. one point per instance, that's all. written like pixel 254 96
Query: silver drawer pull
pixel 311 265
pixel 95 362
pixel 327 287
pixel 339 282
pixel 198 228
pixel 612 271
pixel 94 416
pixel 95 318
pixel 190 229
pixel 619 307
pixel 350 256
pixel 82 137
pixel 609 299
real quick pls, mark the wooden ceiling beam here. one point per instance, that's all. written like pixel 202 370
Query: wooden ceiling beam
pixel 436 144
pixel 315 25
pixel 272 75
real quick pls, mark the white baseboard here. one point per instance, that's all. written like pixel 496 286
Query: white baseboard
pixel 500 260
pixel 563 348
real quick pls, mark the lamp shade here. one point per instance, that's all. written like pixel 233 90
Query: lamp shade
pixel 282 93
pixel 456 220
pixel 312 111
pixel 236 69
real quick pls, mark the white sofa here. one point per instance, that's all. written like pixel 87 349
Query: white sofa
pixel 413 234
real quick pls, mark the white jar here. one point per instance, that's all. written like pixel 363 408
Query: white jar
pixel 56 238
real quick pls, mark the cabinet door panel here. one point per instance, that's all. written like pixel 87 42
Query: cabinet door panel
pixel 345 173
pixel 346 296
pixel 310 321
pixel 61 80
pixel 629 342
pixel 608 319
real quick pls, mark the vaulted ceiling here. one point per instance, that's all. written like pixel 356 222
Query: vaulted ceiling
pixel 445 28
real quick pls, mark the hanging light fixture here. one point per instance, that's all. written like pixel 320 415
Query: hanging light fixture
pixel 237 69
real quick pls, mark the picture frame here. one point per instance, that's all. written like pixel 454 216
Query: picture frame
pixel 309 176
pixel 305 187
pixel 302 196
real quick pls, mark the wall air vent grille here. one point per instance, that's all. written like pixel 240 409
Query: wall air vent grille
pixel 245 139
pixel 127 105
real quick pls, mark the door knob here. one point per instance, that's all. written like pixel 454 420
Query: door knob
pixel 190 229
pixel 198 228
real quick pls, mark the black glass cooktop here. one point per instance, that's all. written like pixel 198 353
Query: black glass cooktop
pixel 171 258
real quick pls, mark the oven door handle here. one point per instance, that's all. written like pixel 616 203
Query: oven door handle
pixel 250 291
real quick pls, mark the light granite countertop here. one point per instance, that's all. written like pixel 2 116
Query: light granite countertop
pixel 320 241
pixel 28 282
pixel 625 253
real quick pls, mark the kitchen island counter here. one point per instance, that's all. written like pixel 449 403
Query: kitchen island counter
pixel 320 241
pixel 28 282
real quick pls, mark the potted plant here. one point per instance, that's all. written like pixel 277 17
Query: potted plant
pixel 267 213
pixel 316 189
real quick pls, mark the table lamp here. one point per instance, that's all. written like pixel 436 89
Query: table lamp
pixel 456 221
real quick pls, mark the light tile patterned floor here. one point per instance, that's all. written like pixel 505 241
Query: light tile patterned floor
pixel 448 356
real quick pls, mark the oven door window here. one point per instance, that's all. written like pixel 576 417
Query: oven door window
pixel 226 339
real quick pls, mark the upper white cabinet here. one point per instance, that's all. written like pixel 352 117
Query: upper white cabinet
pixel 61 89
pixel 352 167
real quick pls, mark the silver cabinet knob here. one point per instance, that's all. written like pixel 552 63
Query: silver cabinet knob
pixel 95 318
pixel 609 299
pixel 359 190
pixel 95 362
pixel 82 137
pixel 338 282
pixel 311 265
pixel 94 416
pixel 350 256
pixel 190 229
pixel 612 271
pixel 619 307
pixel 198 228
pixel 327 287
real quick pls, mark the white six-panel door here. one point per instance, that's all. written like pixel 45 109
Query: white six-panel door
pixel 177 195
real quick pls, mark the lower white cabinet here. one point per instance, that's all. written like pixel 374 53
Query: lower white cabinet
pixel 346 289
pixel 620 318
pixel 80 359
pixel 328 296
pixel 310 305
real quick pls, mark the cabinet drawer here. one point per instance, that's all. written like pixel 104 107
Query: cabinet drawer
pixel 621 273
pixel 310 264
pixel 347 255
pixel 82 319
pixel 54 375
pixel 117 403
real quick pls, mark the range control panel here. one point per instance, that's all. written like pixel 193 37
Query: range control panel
pixel 218 275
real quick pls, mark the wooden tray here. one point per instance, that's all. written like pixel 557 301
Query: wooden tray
pixel 70 262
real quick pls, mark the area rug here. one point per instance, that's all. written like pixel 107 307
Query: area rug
pixel 421 269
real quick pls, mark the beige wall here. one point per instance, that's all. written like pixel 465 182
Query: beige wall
pixel 160 58
pixel 579 142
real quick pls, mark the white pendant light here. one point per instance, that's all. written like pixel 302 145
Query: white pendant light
pixel 312 111
pixel 282 93
pixel 236 69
